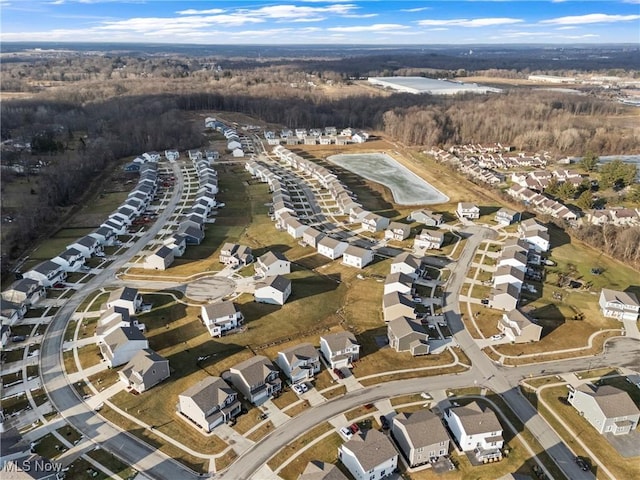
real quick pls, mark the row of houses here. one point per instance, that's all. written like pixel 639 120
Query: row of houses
pixel 31 288
pixel 422 438
pixel 541 203
pixel 213 401
pixel 314 136
pixel 490 157
pixel 618 216
pixel 237 144
pixel 539 180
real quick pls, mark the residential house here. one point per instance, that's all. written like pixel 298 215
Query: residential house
pixel 513 257
pixel 26 291
pixel 160 259
pixel 467 210
pixel 209 403
pixel 118 226
pixel 339 349
pixel 87 245
pixel 193 234
pixel 607 408
pixel 331 248
pixel 11 312
pixel 506 216
pixel 47 273
pixel 105 236
pixel 426 217
pixel 357 214
pixel 407 335
pixel 408 264
pixel 235 255
pixel 620 305
pixel 518 327
pixel 504 297
pixel 221 317
pixel 421 436
pixel 71 260
pixel 256 378
pixel 429 239
pixel 299 363
pixel 396 305
pixel 369 455
pixel 294 227
pixel 121 345
pixel 357 256
pixel 311 236
pixel 397 231
pixel 178 243
pixel 125 297
pixel 172 155
pixel 145 370
pixel 398 282
pixel 274 290
pixel 373 222
pixel 476 429
pixel 508 274
pixel 114 318
pixel 535 234
pixel 317 470
pixel 272 263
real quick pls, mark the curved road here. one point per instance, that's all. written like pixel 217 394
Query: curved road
pixel 63 396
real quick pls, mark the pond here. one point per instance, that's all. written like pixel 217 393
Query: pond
pixel 407 187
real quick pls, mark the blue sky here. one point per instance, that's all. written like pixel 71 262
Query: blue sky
pixel 321 22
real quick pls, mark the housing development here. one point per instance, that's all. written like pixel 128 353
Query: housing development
pixel 259 309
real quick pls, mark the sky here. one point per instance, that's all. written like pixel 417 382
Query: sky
pixel 342 22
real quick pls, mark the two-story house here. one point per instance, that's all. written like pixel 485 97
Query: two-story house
pixel 534 233
pixel 125 297
pixel 421 436
pixel 340 349
pixel 429 239
pixel 26 291
pixel 275 290
pixel 426 217
pixel 398 282
pixel 620 305
pixel 397 231
pixel 145 370
pixel 236 255
pixel 407 335
pixel 476 429
pixel 518 327
pixel 221 317
pixel 317 470
pixel 506 216
pixel 121 345
pixel 87 245
pixel 331 248
pixel 358 257
pixel 372 222
pixel 47 273
pixel 396 305
pixel 209 403
pixel 256 378
pixel 608 409
pixel 408 264
pixel 299 363
pixel 114 318
pixel 467 211
pixel 272 263
pixel 160 259
pixel 369 456
pixel 71 260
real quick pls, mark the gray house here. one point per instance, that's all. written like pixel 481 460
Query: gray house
pixel 426 217
pixel 209 403
pixel 256 378
pixel 420 436
pixel 407 335
pixel 317 470
pixel 396 305
pixel 299 363
pixel 145 370
pixel 607 408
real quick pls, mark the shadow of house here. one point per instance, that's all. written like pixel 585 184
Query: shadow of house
pixel 548 317
pixel 557 236
pixel 488 210
pixel 310 262
pixel 367 340
pixel 280 248
pixel 185 362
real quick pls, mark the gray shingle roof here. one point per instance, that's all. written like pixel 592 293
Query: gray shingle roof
pixel 371 449
pixel 407 258
pixel 221 309
pixel 476 419
pixel 255 370
pixel 403 326
pixel 612 401
pixel 626 298
pixel 317 470
pixel 278 282
pixel 124 293
pixel 270 258
pixel 340 340
pixel 302 351
pixel 423 427
pixel 208 393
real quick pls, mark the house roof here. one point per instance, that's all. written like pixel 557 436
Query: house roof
pixel 163 252
pixel 191 231
pixel 123 293
pixel 313 233
pixel 612 401
pixel 426 233
pixel 398 277
pixel 356 251
pixel 87 241
pixel 255 370
pixel 208 393
pixel 532 224
pixel 46 267
pixel 505 288
pixel 24 285
pixel 329 242
pixel 220 309
pixel 301 351
pixel 626 298
pixel 143 361
pixel 476 419
pixel 122 336
pixel 396 298
pixel 340 340
pixel 518 316
pixel 278 282
pixel 317 470
pixel 371 448
pixel 514 253
pixel 509 270
pixel 403 326
pixel 408 259
pixel 104 231
pixel 399 226
pixel 467 206
pixel 113 317
pixel 270 258
pixel 423 427
pixel 230 247
pixel 507 212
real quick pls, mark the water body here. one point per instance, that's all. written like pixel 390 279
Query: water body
pixel 625 158
pixel 407 187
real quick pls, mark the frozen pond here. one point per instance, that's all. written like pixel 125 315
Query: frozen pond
pixel 407 188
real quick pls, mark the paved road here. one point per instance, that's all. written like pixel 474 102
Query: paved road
pixel 63 396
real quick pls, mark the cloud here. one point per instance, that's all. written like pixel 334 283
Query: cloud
pixel 360 15
pixel 474 23
pixel 378 27
pixel 192 11
pixel 590 18
pixel 289 12
pixel 414 10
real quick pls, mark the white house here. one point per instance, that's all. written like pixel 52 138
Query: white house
pixel 160 259
pixel 357 256
pixel 71 260
pixel 272 263
pixel 114 318
pixel 535 234
pixel 518 327
pixel 369 456
pixel 421 436
pixel 398 282
pixel 87 245
pixel 221 317
pixel 47 273
pixel 476 429
pixel 331 248
pixel 172 155
pixel 178 243
pixel 513 258
pixel 340 349
pixel 256 378
pixel 299 363
pixel 274 290
pixel 294 227
pixel 506 216
pixel 407 264
pixel 508 274
pixel 467 210
pixel 620 305
pixel 397 231
pixel 105 236
pixel 426 217
pixel 209 403
pixel 26 291
pixel 122 344
pixel 311 236
pixel 125 297
pixel 504 297
pixel 373 222
pixel 608 409
pixel 429 239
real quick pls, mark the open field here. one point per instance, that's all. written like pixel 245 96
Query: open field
pixel 325 450
pixel 297 444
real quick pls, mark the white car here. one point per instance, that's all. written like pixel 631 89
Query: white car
pixel 297 388
pixel 346 432
pixel 496 337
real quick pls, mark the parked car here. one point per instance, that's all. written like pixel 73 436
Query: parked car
pixel 484 301
pixel 384 422
pixel 583 464
pixel 297 388
pixel 338 372
pixel 496 337
pixel 346 432
pixel 18 338
pixel 354 428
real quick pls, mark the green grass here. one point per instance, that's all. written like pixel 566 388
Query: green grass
pixel 112 463
pixel 49 446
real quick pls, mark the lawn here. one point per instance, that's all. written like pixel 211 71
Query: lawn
pixel 111 462
pixel 293 447
pixel 49 447
pixel 325 450
pixel 621 467
pixel 69 362
pixel 89 356
pixel 415 397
